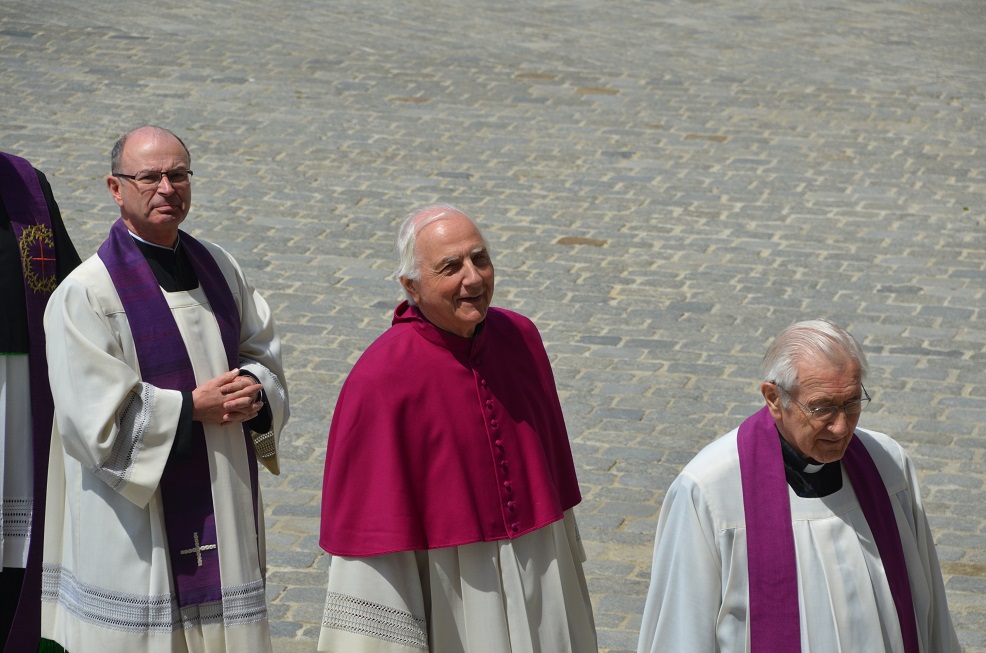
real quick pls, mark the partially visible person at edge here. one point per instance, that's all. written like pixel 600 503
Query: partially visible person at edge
pixel 36 254
pixel 798 531
pixel 449 481
pixel 166 374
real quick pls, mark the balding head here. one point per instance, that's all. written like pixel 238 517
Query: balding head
pixel 117 151
pixel 411 226
pixel 446 270
pixel 151 183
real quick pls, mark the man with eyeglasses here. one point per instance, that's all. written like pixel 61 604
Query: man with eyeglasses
pixel 798 531
pixel 168 388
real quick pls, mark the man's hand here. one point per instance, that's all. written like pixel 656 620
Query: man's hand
pixel 229 398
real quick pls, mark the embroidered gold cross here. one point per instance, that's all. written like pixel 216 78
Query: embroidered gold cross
pixel 198 549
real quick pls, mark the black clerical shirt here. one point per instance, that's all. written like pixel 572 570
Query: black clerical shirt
pixel 806 478
pixel 174 273
pixel 170 266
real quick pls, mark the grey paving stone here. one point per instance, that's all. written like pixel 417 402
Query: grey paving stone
pixel 664 185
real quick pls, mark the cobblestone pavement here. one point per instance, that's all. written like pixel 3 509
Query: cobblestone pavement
pixel 665 185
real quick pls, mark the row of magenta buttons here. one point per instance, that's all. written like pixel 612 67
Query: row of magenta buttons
pixel 502 461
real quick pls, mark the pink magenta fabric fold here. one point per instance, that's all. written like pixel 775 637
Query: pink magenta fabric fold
pixel 439 440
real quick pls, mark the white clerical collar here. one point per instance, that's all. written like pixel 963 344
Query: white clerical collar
pixel 146 242
pixel 813 468
pixel 795 460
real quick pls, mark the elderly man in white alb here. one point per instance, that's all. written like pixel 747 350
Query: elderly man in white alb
pixel 798 531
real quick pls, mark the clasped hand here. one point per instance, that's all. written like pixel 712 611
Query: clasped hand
pixel 229 398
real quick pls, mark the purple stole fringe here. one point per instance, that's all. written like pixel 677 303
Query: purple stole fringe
pixel 775 622
pixel 164 363
pixel 28 210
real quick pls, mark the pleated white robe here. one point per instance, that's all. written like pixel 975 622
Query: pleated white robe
pixel 698 598
pixel 16 461
pixel 525 595
pixel 107 582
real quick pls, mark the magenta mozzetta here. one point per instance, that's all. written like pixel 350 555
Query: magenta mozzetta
pixel 407 424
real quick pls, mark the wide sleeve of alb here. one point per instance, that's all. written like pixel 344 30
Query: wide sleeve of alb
pixel 684 599
pixel 934 622
pixel 260 353
pixel 115 425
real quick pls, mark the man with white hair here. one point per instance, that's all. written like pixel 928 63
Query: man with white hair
pixel 798 531
pixel 449 481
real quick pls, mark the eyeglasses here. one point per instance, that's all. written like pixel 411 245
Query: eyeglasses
pixel 828 413
pixel 152 178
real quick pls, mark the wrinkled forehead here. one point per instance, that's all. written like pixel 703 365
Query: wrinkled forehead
pixel 811 365
pixel 446 224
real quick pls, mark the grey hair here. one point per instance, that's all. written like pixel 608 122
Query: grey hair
pixel 805 341
pixel 116 154
pixel 408 265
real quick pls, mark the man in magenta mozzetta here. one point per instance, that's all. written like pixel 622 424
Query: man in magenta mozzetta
pixel 449 481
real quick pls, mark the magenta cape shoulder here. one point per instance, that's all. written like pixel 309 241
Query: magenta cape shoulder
pixel 438 440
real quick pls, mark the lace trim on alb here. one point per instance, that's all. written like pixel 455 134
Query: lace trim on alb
pixel 245 604
pixel 132 424
pixel 276 382
pixel 264 444
pixel 15 518
pixel 107 608
pixel 136 613
pixel 355 615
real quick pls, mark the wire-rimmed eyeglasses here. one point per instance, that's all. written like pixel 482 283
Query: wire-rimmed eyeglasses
pixel 828 413
pixel 151 178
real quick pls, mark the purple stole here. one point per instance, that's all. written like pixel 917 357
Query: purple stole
pixel 164 363
pixel 775 622
pixel 28 210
